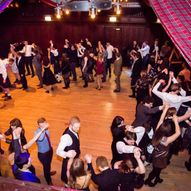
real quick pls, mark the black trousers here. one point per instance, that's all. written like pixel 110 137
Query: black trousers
pixel 108 67
pixel 73 70
pixel 56 65
pixel 46 159
pixel 67 80
pixel 28 62
pixel 24 81
pixel 64 177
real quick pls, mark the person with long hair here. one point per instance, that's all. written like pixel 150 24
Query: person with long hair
pixel 161 142
pixel 14 124
pixel 85 68
pixel 79 178
pixel 118 127
pixel 48 77
pixel 20 159
pixel 132 177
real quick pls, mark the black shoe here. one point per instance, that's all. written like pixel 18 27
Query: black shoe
pixel 85 86
pixel 16 81
pixel 149 183
pixel 47 91
pixel 187 165
pixel 132 96
pixel 158 180
pixel 65 87
pixel 4 96
pixel 7 98
pixel 116 90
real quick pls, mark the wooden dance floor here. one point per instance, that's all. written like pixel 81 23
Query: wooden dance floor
pixel 96 110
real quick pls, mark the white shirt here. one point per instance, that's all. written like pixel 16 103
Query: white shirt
pixel 80 51
pixel 140 131
pixel 27 50
pixel 123 148
pixel 54 52
pixel 144 51
pixel 3 69
pixel 172 99
pixel 109 51
pixel 65 141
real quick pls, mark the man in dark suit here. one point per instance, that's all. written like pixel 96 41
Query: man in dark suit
pixel 21 68
pixel 136 70
pixel 117 71
pixel 144 112
pixel 108 179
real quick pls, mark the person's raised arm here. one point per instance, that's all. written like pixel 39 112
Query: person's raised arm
pixel 12 49
pixel 141 168
pixel 162 116
pixel 34 139
pixel 85 63
pixel 177 131
pixel 169 83
pixel 156 91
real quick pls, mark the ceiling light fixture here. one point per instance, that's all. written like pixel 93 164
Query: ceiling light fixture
pixel 67 12
pixel 113 19
pixel 48 18
pixel 58 12
pixel 118 8
pixel 92 12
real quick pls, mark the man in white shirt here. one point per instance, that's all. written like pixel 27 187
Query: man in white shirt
pixel 109 49
pixel 27 50
pixel 172 98
pixel 145 50
pixel 69 146
pixel 80 54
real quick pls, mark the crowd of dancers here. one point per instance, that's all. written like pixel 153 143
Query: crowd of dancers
pixel 161 127
pixel 54 66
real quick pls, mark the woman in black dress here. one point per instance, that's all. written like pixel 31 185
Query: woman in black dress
pixel 48 77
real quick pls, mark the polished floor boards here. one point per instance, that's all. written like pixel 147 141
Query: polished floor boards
pixel 96 110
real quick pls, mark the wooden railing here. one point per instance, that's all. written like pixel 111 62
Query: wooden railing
pixel 10 184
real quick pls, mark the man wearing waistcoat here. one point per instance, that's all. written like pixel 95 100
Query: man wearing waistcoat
pixel 69 147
